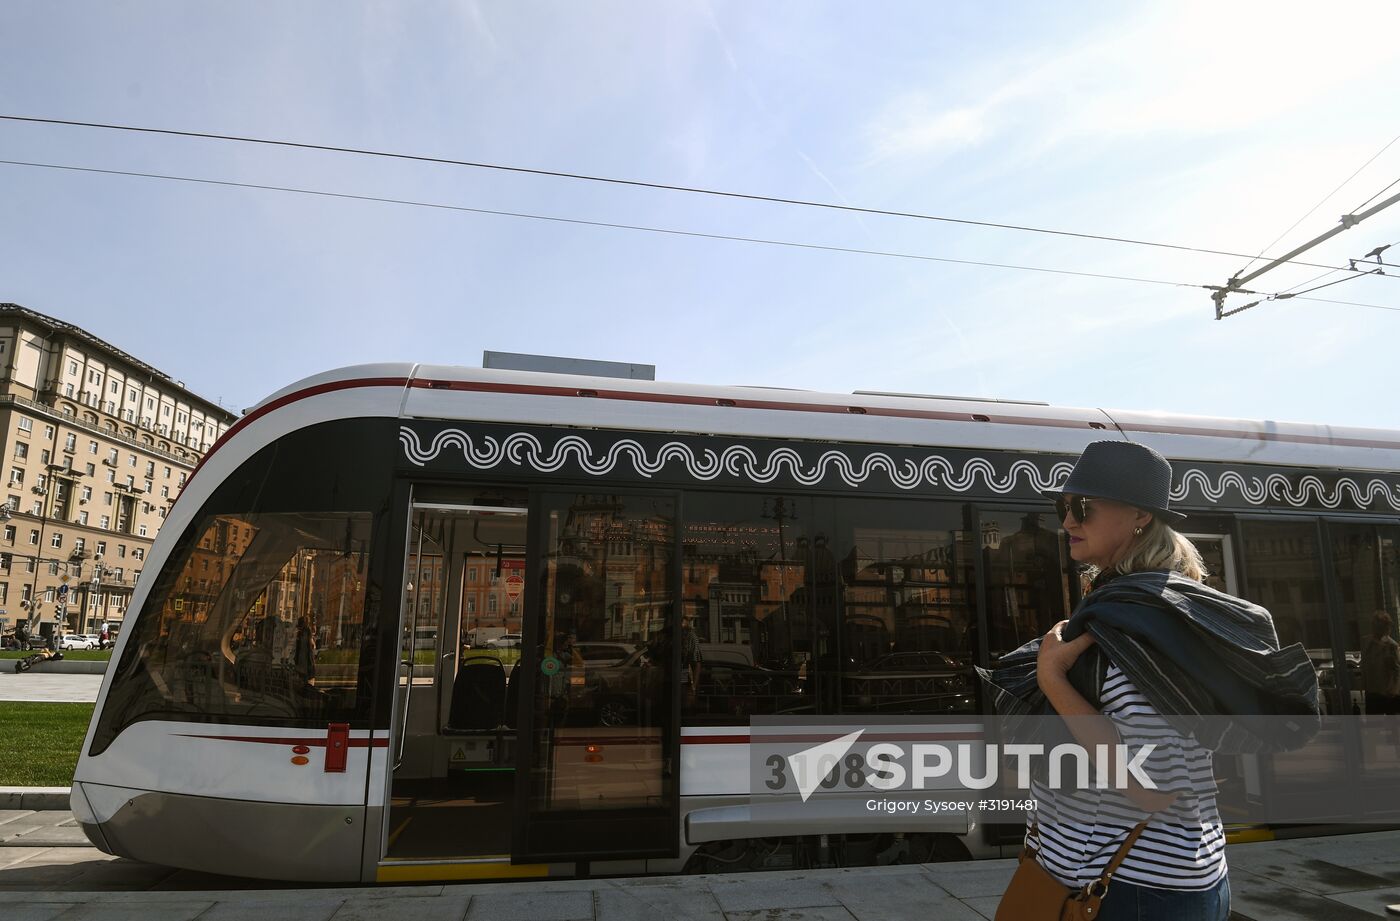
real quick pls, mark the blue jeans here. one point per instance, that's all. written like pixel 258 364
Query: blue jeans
pixel 1127 902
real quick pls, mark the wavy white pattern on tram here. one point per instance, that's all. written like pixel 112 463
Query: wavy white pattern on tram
pixel 1276 486
pixel 523 449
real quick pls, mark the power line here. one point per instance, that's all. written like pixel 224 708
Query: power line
pixel 606 224
pixel 1324 200
pixel 708 236
pixel 637 183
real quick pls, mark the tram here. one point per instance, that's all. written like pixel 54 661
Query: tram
pixel 297 694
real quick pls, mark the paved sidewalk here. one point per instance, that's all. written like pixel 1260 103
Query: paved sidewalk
pixel 43 686
pixel 47 872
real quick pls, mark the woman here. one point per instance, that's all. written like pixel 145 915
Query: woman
pixel 1151 655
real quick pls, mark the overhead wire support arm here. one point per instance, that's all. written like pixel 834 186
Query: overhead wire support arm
pixel 1235 284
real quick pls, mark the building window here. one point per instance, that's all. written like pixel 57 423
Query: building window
pixel 26 425
pixel 116 388
pixel 72 367
pixel 102 547
pixel 12 503
pixel 111 475
pixel 90 469
pixel 92 447
pixel 48 433
pixel 37 508
pixel 68 390
pixel 131 461
pixel 121 550
pixel 165 492
pixel 16 476
pixel 9 534
pixel 21 450
pixel 150 403
pixel 56 540
pixel 165 410
pixel 79 543
pixel 106 498
pixel 86 493
pixel 182 479
pixel 167 473
pixel 82 519
pixel 105 521
pixel 141 530
pixel 150 468
pixel 70 443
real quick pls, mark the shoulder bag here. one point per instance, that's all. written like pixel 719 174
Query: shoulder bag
pixel 1035 895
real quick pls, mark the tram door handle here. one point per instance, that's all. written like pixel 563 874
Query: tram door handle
pixel 403 719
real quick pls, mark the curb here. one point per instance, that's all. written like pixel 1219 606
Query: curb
pixel 65 667
pixel 35 798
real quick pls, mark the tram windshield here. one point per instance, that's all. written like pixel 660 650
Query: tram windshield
pixel 258 618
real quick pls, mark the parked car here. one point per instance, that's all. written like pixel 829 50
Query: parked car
pixel 604 653
pixel 78 641
pixel 504 641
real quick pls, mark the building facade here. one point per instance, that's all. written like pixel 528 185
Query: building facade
pixel 96 445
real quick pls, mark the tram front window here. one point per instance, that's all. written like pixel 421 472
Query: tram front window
pixel 258 618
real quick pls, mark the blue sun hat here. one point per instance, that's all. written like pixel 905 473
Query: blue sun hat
pixel 1126 472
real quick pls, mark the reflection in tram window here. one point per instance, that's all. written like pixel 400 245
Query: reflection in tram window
pixel 600 732
pixel 754 579
pixel 906 641
pixel 263 619
pixel 1027 578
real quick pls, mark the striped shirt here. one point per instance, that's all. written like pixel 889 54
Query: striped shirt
pixel 1182 847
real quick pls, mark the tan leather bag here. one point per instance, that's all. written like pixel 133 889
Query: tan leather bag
pixel 1035 895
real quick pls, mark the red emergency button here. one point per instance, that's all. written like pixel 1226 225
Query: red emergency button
pixel 337 747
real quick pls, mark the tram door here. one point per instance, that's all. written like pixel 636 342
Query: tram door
pixel 454 743
pixel 598 777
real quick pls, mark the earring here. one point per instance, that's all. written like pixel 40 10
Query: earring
pixel 1137 532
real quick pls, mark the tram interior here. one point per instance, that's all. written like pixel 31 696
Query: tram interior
pixel 454 768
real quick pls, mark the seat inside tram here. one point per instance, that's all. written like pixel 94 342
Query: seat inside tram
pixel 454 766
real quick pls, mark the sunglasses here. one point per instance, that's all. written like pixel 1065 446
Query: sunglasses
pixel 1077 506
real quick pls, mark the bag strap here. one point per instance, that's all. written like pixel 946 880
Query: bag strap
pixel 1099 888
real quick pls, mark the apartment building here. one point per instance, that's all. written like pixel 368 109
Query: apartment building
pixel 96 447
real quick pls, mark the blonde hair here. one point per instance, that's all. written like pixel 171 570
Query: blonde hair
pixel 1161 547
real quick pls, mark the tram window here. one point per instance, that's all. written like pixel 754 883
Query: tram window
pixel 1367 561
pixel 905 638
pixel 1027 573
pixel 746 565
pixel 272 634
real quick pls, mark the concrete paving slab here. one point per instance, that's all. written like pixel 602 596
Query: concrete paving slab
pixel 403 908
pixel 986 906
pixel 973 881
pixel 751 892
pixel 284 909
pixel 883 896
pixel 37 877
pixel 9 815
pixel 648 903
pixel 1385 869
pixel 36 911
pixel 1373 902
pixel 1303 872
pixel 50 836
pixel 819 913
pixel 13 855
pixel 532 906
pixel 1258 898
pixel 137 911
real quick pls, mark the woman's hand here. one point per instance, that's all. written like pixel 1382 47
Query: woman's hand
pixel 1056 656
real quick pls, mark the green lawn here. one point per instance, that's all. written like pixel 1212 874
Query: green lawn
pixel 41 742
pixel 77 655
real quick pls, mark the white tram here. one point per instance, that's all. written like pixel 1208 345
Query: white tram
pixel 294 696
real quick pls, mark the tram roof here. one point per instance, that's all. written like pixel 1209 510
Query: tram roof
pixel 524 397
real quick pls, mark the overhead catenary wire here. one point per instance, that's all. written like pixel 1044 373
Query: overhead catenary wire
pixel 1324 201
pixel 603 224
pixel 680 233
pixel 637 183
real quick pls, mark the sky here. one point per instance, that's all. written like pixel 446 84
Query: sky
pixel 1210 125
